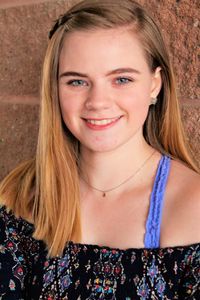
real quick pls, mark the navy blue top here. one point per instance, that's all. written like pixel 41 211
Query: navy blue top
pixel 93 272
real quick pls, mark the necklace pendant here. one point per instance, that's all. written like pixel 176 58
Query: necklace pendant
pixel 104 194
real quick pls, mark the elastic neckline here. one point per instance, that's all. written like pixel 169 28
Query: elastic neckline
pixel 71 244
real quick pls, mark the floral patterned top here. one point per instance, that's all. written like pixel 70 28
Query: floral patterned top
pixel 91 271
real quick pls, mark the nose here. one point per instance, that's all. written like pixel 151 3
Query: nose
pixel 98 98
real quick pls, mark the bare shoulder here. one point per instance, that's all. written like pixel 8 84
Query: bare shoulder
pixel 186 182
pixel 181 218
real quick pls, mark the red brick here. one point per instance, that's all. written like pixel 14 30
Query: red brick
pixel 23 40
pixel 12 3
pixel 191 119
pixel 179 21
pixel 18 134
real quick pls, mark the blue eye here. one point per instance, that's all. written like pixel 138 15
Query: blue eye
pixel 122 80
pixel 76 82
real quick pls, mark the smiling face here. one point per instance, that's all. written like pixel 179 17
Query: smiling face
pixel 105 88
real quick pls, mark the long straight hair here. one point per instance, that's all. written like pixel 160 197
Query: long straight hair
pixel 45 190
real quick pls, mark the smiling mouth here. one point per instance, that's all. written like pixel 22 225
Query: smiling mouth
pixel 102 121
pixel 101 124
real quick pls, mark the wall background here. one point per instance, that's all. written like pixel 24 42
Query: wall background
pixel 24 26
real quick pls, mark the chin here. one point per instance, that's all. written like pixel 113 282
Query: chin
pixel 101 147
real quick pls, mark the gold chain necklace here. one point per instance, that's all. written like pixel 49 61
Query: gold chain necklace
pixel 123 182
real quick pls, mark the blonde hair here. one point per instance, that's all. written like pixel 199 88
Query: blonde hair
pixel 45 190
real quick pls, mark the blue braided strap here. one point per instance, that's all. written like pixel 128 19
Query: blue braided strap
pixel 153 223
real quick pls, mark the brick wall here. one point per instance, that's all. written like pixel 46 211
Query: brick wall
pixel 23 38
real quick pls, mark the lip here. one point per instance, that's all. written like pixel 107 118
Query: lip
pixel 89 124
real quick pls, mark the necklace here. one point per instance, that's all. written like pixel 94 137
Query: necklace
pixel 104 192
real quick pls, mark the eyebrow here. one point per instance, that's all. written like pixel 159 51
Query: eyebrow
pixel 117 71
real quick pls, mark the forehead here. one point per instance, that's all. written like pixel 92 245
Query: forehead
pixel 101 48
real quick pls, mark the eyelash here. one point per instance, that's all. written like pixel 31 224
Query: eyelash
pixel 126 79
pixel 71 82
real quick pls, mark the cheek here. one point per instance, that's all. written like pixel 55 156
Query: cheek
pixel 69 106
pixel 137 108
pixel 70 103
pixel 137 105
pixel 67 113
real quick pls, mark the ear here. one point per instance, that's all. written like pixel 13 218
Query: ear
pixel 156 83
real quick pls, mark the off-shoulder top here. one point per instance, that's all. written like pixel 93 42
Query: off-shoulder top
pixel 93 272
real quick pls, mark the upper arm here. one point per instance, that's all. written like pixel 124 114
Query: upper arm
pixel 12 263
pixel 190 285
pixel 181 213
pixel 21 259
pixel 191 210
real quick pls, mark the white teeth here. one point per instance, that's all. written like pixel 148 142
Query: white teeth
pixel 101 122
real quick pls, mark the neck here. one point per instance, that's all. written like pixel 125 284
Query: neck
pixel 105 170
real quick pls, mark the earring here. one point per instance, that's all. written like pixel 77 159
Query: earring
pixel 154 101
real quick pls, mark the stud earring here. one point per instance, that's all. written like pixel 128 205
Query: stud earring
pixel 154 101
